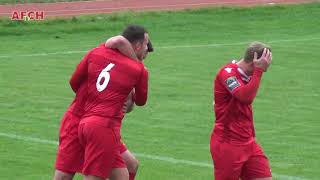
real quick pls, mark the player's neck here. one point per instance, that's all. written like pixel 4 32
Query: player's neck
pixel 244 67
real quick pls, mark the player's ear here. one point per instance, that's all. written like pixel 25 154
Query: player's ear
pixel 136 46
pixel 139 45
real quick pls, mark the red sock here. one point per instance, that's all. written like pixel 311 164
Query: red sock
pixel 132 175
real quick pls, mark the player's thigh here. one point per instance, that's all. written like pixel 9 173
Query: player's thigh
pixel 227 159
pixel 89 177
pixel 101 149
pixel 119 174
pixel 70 153
pixel 257 167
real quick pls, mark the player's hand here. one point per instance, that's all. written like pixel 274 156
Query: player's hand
pixel 264 61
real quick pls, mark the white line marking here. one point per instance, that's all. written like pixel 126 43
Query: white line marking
pixel 28 139
pixel 153 157
pixel 162 47
pixel 173 160
pixel 43 54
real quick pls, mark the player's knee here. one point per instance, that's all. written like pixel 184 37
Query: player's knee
pixel 59 175
pixel 119 174
pixel 268 178
pixel 92 178
pixel 65 177
pixel 126 176
pixel 133 165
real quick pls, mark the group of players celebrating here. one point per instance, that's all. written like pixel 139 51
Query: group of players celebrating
pixel 112 78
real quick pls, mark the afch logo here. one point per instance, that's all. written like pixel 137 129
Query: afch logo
pixel 27 15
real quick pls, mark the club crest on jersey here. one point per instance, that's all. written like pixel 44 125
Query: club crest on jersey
pixel 232 83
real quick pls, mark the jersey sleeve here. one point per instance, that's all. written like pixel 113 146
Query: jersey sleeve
pixel 245 93
pixel 141 89
pixel 80 74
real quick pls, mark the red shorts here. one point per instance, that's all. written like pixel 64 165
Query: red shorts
pixel 70 153
pixel 123 147
pixel 232 162
pixel 119 162
pixel 101 145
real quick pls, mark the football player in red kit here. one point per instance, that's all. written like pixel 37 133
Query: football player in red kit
pixel 130 160
pixel 140 98
pixel 110 78
pixel 234 150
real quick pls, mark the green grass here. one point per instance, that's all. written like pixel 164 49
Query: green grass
pixel 178 118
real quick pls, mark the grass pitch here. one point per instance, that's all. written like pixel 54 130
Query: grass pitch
pixel 171 134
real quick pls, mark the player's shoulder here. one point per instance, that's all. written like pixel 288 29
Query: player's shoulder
pixel 130 63
pixel 98 51
pixel 121 57
pixel 229 68
pixel 99 48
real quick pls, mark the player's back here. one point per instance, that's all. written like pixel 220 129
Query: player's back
pixel 234 120
pixel 111 77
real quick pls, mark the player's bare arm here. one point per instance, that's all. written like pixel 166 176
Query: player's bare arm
pixel 122 44
pixel 129 104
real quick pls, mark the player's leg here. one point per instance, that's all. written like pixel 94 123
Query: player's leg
pixel 69 153
pixel 228 160
pixel 101 149
pixel 119 174
pixel 60 175
pixel 119 171
pixel 130 160
pixel 89 177
pixel 257 167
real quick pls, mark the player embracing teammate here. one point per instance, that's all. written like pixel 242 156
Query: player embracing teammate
pixel 90 131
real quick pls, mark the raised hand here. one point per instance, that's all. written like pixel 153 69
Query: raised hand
pixel 264 61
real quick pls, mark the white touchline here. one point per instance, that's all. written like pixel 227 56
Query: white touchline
pixel 162 47
pixel 153 157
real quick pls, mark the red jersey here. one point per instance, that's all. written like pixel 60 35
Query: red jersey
pixel 110 78
pixel 234 93
pixel 77 105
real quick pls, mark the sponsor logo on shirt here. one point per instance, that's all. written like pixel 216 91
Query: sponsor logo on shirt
pixel 232 83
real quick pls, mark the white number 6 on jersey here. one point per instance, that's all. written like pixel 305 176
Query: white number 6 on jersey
pixel 104 74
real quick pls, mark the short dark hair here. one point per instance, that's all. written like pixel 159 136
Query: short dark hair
pixel 134 33
pixel 254 47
